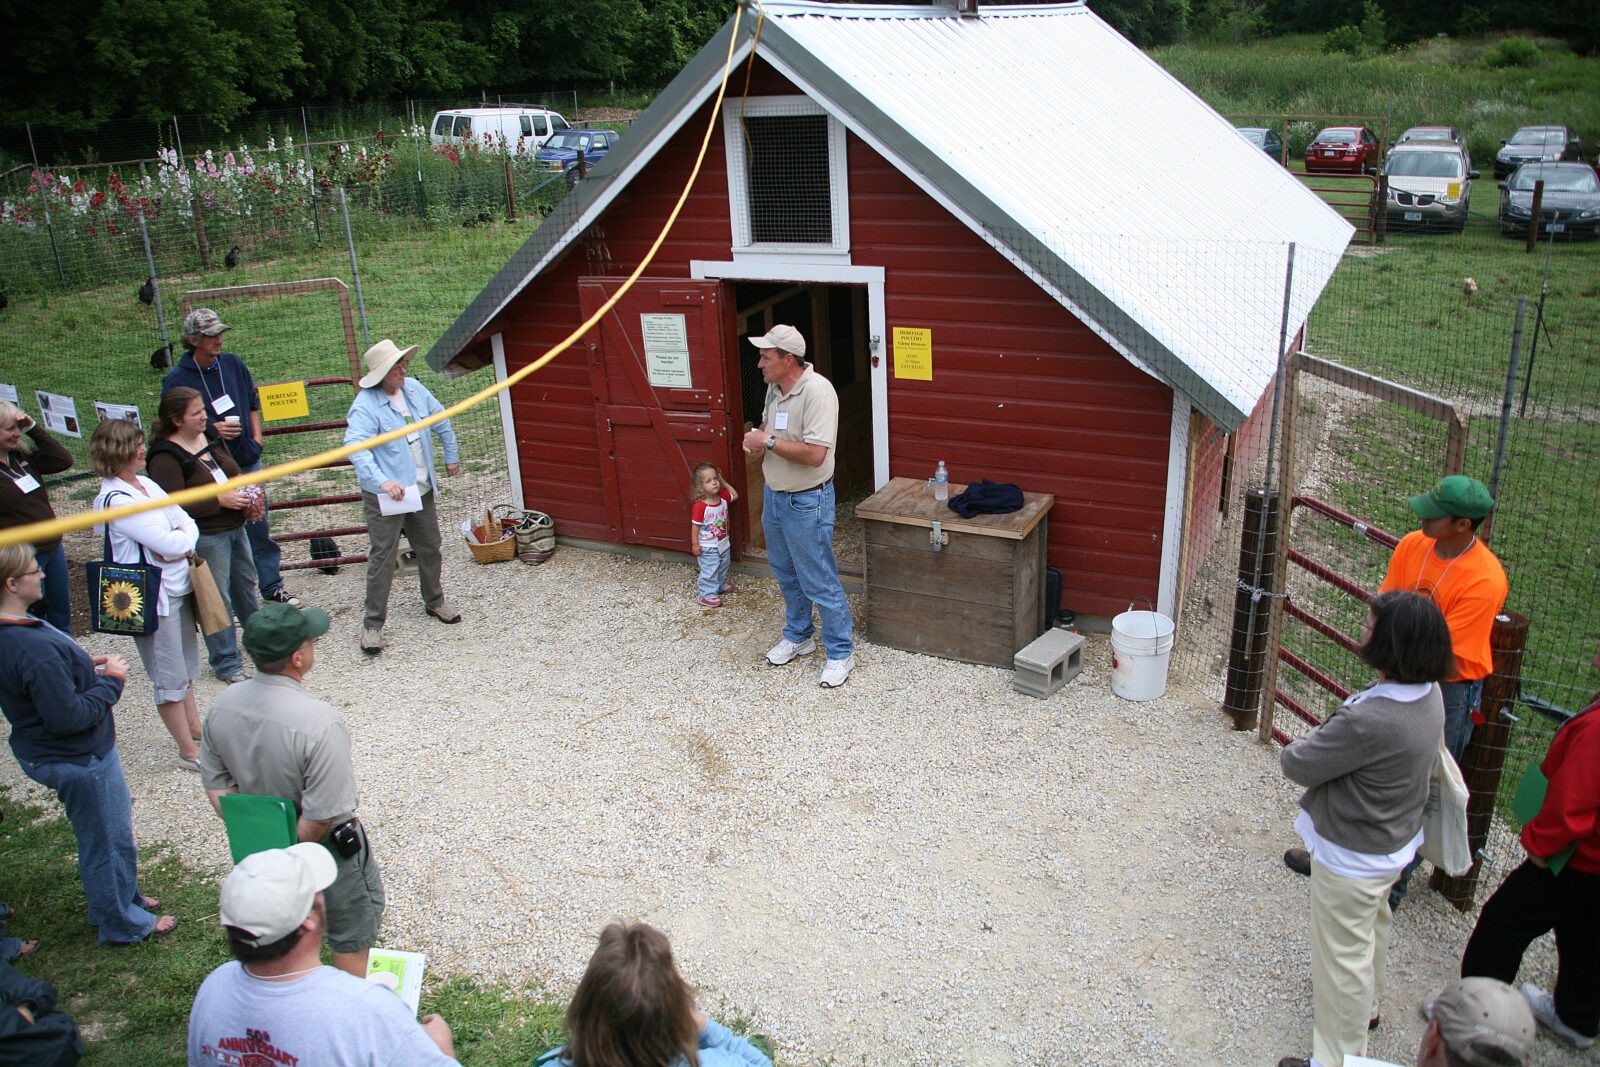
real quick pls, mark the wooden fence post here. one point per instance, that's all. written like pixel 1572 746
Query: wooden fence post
pixel 1484 760
pixel 1247 648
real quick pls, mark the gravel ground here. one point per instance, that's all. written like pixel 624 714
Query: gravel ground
pixel 923 867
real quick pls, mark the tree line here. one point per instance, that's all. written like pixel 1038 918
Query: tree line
pixel 78 64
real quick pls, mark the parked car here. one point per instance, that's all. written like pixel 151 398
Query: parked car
pixel 1430 185
pixel 1343 150
pixel 1268 140
pixel 1431 133
pixel 514 129
pixel 1536 144
pixel 560 152
pixel 1570 206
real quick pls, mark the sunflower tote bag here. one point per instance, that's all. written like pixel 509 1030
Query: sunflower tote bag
pixel 122 596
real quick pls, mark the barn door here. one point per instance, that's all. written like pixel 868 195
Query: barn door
pixel 659 364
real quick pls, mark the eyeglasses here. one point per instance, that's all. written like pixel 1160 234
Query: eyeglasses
pixel 36 570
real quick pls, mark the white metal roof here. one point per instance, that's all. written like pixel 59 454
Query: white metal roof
pixel 1102 177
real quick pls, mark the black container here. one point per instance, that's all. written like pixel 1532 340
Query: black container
pixel 1052 595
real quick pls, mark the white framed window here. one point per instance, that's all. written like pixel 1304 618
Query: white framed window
pixel 787 188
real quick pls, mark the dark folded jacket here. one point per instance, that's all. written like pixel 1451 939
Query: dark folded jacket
pixel 984 497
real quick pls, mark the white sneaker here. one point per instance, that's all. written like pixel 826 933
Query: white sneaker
pixel 836 672
pixel 1544 1009
pixel 786 650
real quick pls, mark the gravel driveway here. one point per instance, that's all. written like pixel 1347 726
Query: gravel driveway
pixel 922 867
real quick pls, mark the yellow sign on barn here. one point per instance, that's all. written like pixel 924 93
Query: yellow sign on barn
pixel 913 353
pixel 285 400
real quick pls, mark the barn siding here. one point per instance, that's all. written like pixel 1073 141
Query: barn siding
pixel 1022 391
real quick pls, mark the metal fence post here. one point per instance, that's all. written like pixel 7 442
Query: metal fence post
pixel 155 286
pixel 44 202
pixel 355 268
pixel 311 173
pixel 1484 760
pixel 1505 409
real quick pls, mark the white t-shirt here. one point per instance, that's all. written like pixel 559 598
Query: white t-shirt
pixel 328 1018
pixel 397 400
pixel 712 522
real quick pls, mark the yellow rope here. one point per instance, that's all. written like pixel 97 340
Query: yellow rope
pixel 54 528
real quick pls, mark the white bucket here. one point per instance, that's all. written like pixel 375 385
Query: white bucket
pixel 1141 642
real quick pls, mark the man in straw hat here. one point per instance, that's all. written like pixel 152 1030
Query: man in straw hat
pixel 234 410
pixel 399 486
pixel 276 1003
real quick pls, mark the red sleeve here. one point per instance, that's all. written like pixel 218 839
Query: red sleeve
pixel 725 495
pixel 697 513
pixel 1573 799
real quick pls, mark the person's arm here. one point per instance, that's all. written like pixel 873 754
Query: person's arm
pixel 329 790
pixel 62 708
pixel 443 430
pixel 1572 800
pixel 166 470
pixel 697 515
pixel 801 452
pixel 312 829
pixel 361 425
pixel 714 1035
pixel 157 533
pixel 49 456
pixel 439 1032
pixel 1331 750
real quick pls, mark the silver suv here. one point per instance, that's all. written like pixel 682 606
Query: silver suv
pixel 1430 185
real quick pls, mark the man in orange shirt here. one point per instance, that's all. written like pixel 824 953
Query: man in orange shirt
pixel 1446 562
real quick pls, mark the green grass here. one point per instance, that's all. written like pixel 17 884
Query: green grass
pixel 132 1004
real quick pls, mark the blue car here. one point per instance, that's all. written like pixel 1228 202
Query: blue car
pixel 560 152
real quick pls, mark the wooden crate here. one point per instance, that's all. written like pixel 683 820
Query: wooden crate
pixel 980 599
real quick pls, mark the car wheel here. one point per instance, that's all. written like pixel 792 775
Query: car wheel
pixel 572 177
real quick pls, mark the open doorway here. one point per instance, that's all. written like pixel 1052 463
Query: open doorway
pixel 833 320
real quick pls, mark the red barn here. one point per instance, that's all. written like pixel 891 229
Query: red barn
pixel 1012 241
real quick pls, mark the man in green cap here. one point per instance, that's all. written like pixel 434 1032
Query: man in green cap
pixel 267 736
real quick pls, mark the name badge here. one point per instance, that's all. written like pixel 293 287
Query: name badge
pixel 27 483
pixel 780 420
pixel 222 403
pixel 217 475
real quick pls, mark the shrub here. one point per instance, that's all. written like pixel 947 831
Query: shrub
pixel 1346 39
pixel 1513 52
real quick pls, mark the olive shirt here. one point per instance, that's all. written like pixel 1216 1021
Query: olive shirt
pixel 809 413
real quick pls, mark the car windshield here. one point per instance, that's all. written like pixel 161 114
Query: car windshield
pixel 1255 137
pixel 1577 179
pixel 1539 137
pixel 1425 165
pixel 1338 135
pixel 569 139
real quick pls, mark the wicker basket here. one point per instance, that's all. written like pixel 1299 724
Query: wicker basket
pixel 501 550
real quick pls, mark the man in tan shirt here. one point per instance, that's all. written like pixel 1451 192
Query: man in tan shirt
pixel 799 431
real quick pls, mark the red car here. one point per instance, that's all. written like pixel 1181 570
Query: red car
pixel 1344 150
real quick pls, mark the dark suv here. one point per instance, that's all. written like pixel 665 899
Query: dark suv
pixel 1536 144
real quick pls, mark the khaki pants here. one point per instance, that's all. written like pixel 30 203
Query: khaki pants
pixel 1350 920
pixel 422 531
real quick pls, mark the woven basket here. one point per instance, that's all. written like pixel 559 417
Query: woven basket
pixel 501 550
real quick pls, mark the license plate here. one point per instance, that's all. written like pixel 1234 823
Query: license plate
pixel 1557 227
pixel 1413 216
pixel 1330 153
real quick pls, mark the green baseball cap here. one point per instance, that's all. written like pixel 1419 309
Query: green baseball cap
pixel 1458 495
pixel 276 630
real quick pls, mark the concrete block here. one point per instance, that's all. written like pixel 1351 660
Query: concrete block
pixel 1049 662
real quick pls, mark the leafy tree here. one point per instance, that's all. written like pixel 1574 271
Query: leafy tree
pixel 1146 23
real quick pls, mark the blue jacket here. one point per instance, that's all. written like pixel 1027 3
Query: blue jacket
pixel 372 414
pixel 229 375
pixel 58 704
pixel 719 1047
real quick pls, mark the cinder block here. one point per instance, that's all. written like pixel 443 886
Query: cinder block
pixel 1050 661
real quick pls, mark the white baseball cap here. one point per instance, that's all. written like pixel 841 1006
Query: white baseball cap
pixel 270 893
pixel 783 338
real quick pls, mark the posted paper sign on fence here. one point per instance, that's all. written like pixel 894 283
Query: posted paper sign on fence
pixel 285 400
pixel 58 413
pixel 913 353
pixel 129 412
pixel 666 350
pixel 8 392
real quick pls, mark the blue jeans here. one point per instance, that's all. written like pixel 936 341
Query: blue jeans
pixel 799 529
pixel 57 603
pixel 234 570
pixel 1461 700
pixel 101 813
pixel 713 570
pixel 268 556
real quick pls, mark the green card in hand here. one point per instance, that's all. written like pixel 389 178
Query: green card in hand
pixel 1527 803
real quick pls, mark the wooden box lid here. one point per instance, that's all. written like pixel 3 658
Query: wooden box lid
pixel 910 501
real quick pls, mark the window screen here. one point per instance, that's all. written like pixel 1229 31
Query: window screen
pixel 787 167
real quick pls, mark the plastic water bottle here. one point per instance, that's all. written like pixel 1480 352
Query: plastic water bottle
pixel 941 483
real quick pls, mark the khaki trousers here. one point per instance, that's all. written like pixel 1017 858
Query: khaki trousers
pixel 422 531
pixel 1350 920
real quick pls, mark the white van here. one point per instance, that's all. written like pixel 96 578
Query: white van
pixel 515 129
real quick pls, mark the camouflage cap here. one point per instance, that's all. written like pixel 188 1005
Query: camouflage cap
pixel 203 322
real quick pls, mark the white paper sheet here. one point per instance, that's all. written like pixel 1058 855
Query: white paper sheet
pixel 412 501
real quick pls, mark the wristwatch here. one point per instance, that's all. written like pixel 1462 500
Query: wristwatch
pixel 772 442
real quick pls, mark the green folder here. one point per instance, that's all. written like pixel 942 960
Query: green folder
pixel 1526 804
pixel 256 824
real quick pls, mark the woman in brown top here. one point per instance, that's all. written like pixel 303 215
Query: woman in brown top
pixel 23 500
pixel 185 453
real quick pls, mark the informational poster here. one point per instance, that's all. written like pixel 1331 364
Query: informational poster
pixel 8 392
pixel 285 400
pixel 913 353
pixel 666 350
pixel 58 413
pixel 118 411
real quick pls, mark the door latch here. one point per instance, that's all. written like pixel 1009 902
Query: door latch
pixel 937 537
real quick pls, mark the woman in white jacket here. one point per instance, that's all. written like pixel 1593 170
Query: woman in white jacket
pixel 165 536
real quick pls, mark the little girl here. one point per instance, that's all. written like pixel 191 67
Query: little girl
pixel 709 518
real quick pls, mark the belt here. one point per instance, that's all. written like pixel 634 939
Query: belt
pixel 812 489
